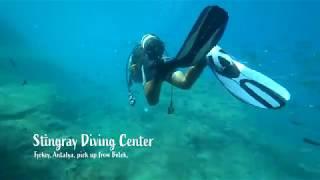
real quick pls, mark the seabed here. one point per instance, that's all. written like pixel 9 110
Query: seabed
pixel 210 136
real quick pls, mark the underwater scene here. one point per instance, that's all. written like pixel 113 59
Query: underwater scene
pixel 64 110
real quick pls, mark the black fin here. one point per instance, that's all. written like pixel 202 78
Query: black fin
pixel 204 35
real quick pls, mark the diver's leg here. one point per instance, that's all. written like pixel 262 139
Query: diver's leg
pixel 152 91
pixel 194 72
pixel 185 81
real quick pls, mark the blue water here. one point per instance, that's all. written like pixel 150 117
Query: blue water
pixel 81 48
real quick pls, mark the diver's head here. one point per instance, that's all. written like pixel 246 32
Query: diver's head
pixel 153 46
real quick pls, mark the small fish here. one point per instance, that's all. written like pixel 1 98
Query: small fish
pixel 12 63
pixel 24 82
pixel 311 141
pixel 296 123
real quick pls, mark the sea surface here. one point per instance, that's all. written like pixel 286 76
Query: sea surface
pixel 62 73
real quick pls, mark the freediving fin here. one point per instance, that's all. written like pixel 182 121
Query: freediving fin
pixel 246 84
pixel 204 35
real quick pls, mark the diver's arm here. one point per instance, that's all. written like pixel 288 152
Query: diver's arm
pixel 152 90
pixel 152 80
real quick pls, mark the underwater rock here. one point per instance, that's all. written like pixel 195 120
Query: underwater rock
pixel 17 102
pixel 18 115
pixel 65 109
pixel 312 170
pixel 57 125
